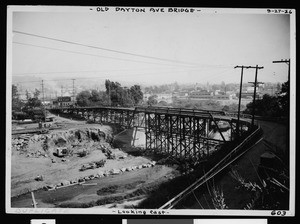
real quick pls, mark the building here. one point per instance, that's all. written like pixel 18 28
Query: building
pixel 203 94
pixel 223 97
pixel 63 101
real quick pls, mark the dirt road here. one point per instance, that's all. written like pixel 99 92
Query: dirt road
pixel 113 188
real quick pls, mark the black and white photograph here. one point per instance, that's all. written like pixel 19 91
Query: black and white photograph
pixel 150 110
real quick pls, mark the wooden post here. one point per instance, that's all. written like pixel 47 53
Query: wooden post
pixel 33 200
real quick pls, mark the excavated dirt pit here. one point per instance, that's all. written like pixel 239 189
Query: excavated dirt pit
pixel 52 164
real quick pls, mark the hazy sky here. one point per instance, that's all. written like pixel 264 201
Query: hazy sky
pixel 188 47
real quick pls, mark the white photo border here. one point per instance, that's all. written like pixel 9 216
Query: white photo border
pixel 150 212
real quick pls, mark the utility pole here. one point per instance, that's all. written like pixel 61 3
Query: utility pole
pixel 109 96
pixel 43 104
pixel 255 84
pixel 61 93
pixel 254 96
pixel 240 95
pixel 73 91
pixel 288 62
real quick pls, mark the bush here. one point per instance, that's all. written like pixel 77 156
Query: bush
pixel 108 190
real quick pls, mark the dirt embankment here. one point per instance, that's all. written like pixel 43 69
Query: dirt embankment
pixel 227 187
pixel 37 155
pixel 80 153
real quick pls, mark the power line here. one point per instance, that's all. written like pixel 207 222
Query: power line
pixel 218 74
pixel 95 55
pixel 66 72
pixel 101 48
pixel 73 90
pixel 139 74
pixel 112 70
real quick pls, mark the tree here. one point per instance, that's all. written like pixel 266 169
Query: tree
pixel 223 86
pixel 226 108
pixel 122 96
pixel 284 98
pixel 104 99
pixel 83 98
pixel 176 87
pixel 162 103
pixel 95 96
pixel 114 91
pixel 136 94
pixel 16 101
pixel 152 100
pixel 27 95
pixel 36 93
pixel 272 106
pixel 33 102
pixel 278 87
pixel 267 106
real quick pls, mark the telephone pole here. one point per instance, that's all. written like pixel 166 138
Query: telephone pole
pixel 43 104
pixel 240 95
pixel 287 135
pixel 255 84
pixel 61 95
pixel 288 62
pixel 73 91
pixel 254 97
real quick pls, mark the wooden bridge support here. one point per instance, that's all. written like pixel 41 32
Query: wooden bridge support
pixel 184 134
pixel 184 137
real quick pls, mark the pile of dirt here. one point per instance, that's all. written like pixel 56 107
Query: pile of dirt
pixel 37 145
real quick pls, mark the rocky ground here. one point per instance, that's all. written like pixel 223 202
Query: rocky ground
pixel 37 162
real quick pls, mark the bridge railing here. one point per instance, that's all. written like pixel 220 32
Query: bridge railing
pixel 179 110
pixel 149 108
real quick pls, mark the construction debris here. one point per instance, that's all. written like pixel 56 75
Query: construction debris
pixel 39 178
pixel 93 165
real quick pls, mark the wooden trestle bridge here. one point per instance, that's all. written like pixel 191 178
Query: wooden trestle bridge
pixel 181 133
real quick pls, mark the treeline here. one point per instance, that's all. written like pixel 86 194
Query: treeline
pixel 272 106
pixel 175 87
pixel 114 95
pixel 31 102
pixel 32 108
pixel 189 104
pixel 165 88
pixel 222 86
